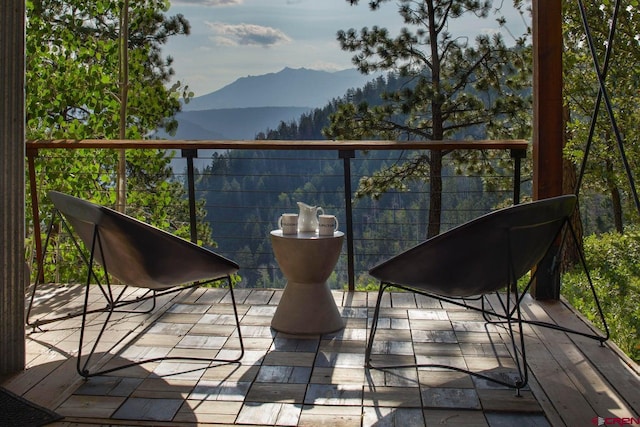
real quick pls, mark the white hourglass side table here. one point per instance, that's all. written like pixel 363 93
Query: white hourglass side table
pixel 307 260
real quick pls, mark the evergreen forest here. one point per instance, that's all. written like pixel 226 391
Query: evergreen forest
pixel 245 192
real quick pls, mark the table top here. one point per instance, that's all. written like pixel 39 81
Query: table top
pixel 306 235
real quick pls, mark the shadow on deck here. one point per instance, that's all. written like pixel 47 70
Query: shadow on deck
pixel 320 380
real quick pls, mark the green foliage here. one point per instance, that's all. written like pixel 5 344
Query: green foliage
pixel 246 192
pixel 72 75
pixel 449 85
pixel 605 174
pixel 613 262
pixel 452 89
pixel 369 284
pixel 72 92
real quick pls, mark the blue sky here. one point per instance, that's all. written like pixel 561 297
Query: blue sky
pixel 238 38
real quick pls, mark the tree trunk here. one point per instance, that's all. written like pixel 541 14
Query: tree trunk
pixel 616 204
pixel 435 158
pixel 570 256
pixel 617 209
pixel 121 174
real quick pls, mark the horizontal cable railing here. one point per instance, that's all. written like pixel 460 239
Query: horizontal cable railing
pixel 246 185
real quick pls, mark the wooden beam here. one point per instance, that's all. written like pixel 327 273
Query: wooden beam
pixel 548 126
pixel 12 150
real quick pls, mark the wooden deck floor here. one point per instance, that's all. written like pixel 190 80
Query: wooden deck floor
pixel 320 380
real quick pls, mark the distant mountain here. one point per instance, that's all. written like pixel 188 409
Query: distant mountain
pixel 231 123
pixel 258 103
pixel 287 88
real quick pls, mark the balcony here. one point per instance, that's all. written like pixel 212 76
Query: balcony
pixel 320 379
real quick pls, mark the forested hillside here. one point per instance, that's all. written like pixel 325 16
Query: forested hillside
pixel 310 125
pixel 246 191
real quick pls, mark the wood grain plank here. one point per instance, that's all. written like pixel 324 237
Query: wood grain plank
pixel 583 394
pixel 620 372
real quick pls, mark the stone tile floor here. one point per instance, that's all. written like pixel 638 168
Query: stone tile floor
pixel 289 380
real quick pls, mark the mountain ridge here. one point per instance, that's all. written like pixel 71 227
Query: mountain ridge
pixel 230 123
pixel 236 112
pixel 290 87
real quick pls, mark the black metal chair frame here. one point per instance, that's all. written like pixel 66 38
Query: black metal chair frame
pixel 508 312
pixel 94 245
pixel 113 302
pixel 594 335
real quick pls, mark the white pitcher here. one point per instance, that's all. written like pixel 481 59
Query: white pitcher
pixel 308 217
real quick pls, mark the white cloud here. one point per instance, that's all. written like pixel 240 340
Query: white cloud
pixel 326 66
pixel 246 35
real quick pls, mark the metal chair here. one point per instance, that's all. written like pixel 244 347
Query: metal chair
pixel 480 258
pixel 137 255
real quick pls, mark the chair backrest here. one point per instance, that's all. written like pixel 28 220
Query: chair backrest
pixel 137 253
pixel 475 257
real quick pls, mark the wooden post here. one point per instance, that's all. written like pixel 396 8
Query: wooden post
pixel 548 126
pixel 12 152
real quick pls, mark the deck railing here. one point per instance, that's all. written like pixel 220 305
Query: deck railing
pixel 374 229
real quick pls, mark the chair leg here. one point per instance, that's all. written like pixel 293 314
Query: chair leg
pixel 521 362
pixel 83 368
pixel 601 338
pixel 595 336
pixel 39 272
pixel 510 314
pixel 111 301
pixel 374 326
pixel 237 318
pixel 84 371
pixel 521 366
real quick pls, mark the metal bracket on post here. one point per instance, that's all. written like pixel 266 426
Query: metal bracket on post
pixel 190 154
pixel 346 156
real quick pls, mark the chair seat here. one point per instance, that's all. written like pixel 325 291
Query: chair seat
pixel 470 259
pixel 137 253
